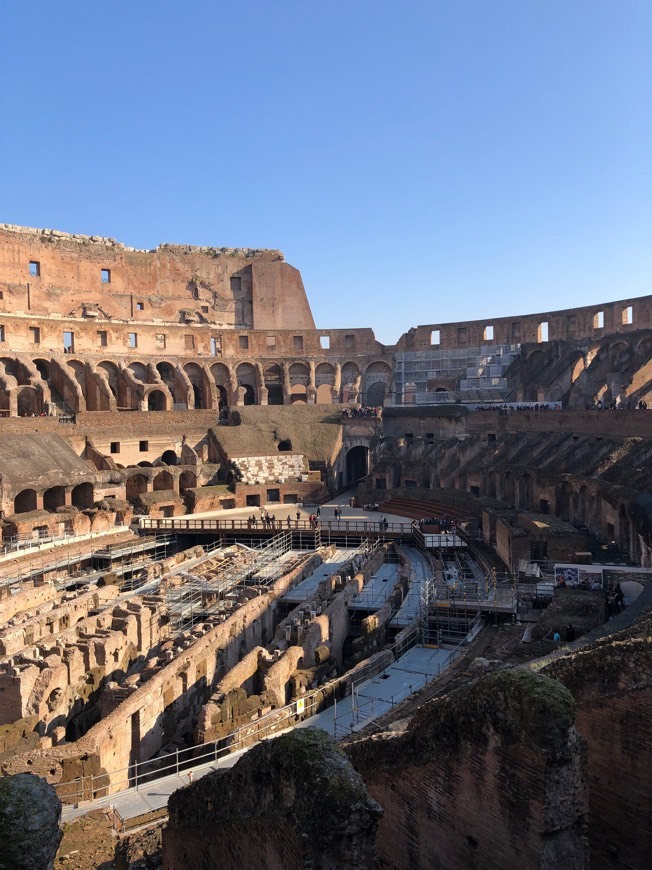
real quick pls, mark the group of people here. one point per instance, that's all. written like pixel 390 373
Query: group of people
pixel 530 406
pixel 641 405
pixel 445 524
pixel 267 521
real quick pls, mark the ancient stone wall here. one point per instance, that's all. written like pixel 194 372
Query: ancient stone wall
pixel 291 802
pixel 590 321
pixel 489 776
pixel 612 685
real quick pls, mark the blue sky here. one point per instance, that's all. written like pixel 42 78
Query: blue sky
pixel 419 162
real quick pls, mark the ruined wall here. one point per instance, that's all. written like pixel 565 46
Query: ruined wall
pixel 612 685
pixel 569 323
pixel 223 286
pixel 287 804
pixel 163 704
pixel 489 776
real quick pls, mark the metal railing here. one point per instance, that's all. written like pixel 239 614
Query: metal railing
pixel 182 524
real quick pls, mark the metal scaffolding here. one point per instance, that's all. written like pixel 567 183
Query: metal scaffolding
pixel 475 368
pixel 206 591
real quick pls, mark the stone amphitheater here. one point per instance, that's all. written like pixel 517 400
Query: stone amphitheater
pixel 424 569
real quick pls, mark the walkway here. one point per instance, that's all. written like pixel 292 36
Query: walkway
pixel 370 699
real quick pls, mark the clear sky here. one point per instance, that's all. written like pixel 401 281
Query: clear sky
pixel 419 161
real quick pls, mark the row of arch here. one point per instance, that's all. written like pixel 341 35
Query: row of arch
pixel 31 387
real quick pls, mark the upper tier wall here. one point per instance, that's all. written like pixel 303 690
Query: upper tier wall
pixel 44 271
pixel 569 324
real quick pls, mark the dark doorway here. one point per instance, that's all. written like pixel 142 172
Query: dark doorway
pixel 356 464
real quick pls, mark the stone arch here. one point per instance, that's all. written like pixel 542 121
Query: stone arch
pixel 377 380
pixel 139 371
pixel 10 366
pixel 324 382
pixel 43 368
pixel 350 382
pixel 82 496
pixel 299 373
pixel 643 347
pixel 29 402
pixel 112 373
pixel 620 353
pixel 54 497
pixel 298 395
pixel 187 480
pixel 273 378
pixel 134 485
pixel 196 377
pixel 169 457
pixel 246 377
pixel 156 401
pixel 163 480
pixel 79 370
pixel 166 371
pixel 222 377
pixel 25 501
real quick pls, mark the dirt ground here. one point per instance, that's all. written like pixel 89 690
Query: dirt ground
pixel 88 844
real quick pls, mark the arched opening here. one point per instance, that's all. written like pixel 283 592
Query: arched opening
pixel 80 373
pixel 350 382
pixel 324 382
pixel 246 378
pixel 285 445
pixel 156 401
pixel 25 501
pixel 169 457
pixel 187 480
pixel 43 368
pixel 249 397
pixel 28 402
pixel 135 484
pixel 166 371
pixel 54 497
pixel 299 375
pixel 356 464
pixel 222 397
pixel 109 370
pixel 324 394
pixel 377 379
pixel 82 496
pixel 139 371
pixel 195 376
pixel 145 464
pixel 298 395
pixel 163 480
pixel 274 384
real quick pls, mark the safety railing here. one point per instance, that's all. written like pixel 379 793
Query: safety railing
pixel 182 524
